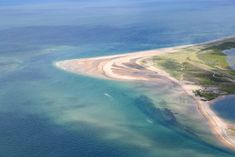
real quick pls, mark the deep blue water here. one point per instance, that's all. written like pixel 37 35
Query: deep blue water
pixel 225 108
pixel 46 112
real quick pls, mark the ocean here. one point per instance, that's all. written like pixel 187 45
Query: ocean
pixel 47 112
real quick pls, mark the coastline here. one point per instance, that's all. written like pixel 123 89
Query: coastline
pixel 129 67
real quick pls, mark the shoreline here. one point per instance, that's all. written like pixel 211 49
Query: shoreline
pixel 128 67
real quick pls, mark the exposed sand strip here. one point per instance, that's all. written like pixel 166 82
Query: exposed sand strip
pixel 127 67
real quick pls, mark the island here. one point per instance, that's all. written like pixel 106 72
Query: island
pixel 201 70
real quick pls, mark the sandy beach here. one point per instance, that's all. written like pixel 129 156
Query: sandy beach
pixel 129 67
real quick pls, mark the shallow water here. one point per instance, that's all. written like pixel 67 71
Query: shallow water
pixel 48 112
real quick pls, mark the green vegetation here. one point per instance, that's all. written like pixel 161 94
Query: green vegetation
pixel 171 64
pixel 206 95
pixel 223 45
pixel 205 65
pixel 214 58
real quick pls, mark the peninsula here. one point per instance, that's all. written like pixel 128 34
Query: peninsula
pixel 201 70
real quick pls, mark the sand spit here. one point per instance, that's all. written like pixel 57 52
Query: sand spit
pixel 130 67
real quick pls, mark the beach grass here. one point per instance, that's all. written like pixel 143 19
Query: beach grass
pixel 204 65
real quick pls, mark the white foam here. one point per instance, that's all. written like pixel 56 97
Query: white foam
pixel 149 121
pixel 108 95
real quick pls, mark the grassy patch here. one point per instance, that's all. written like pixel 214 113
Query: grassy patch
pixel 172 64
pixel 214 58
pixel 204 65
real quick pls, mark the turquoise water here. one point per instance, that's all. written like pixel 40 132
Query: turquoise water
pixel 51 113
